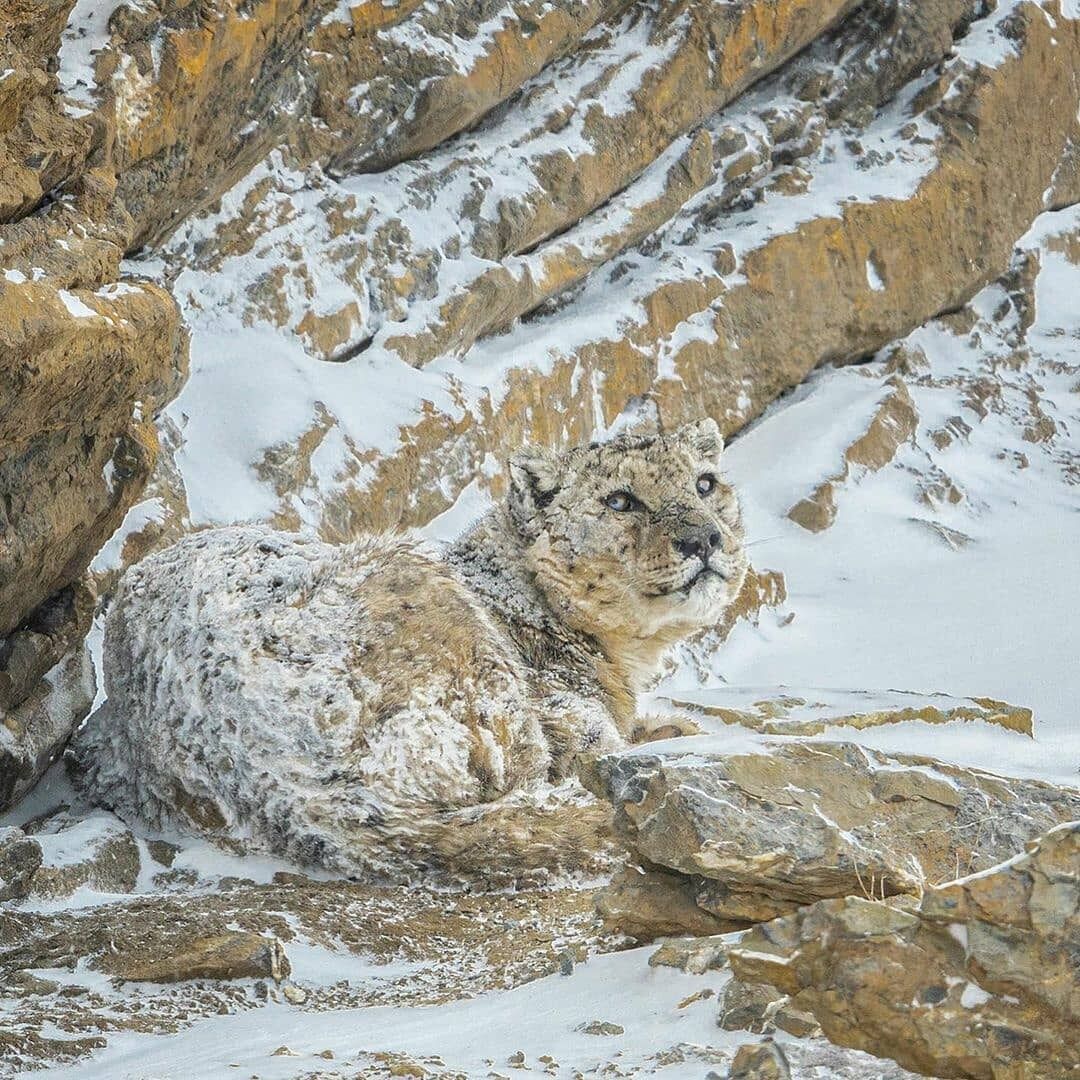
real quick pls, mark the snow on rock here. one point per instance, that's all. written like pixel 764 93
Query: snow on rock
pixel 754 832
pixel 901 983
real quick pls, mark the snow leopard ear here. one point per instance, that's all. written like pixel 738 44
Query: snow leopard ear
pixel 535 476
pixel 703 437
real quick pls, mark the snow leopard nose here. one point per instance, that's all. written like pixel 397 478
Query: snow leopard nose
pixel 697 543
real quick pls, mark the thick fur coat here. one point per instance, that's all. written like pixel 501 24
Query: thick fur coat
pixel 380 708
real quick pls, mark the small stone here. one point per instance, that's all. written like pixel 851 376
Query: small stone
pixel 517 1059
pixel 284 1051
pixel 566 963
pixel 295 995
pixel 161 851
pixel 699 995
pixel 795 1021
pixel 285 877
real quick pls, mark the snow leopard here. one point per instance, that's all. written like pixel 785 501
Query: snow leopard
pixel 391 710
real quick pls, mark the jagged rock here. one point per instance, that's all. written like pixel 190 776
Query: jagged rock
pixel 85 362
pixel 748 1006
pixel 760 1061
pixel 978 980
pixel 47 686
pixel 753 833
pixel 94 852
pixel 83 370
pixel 651 904
pixel 20 857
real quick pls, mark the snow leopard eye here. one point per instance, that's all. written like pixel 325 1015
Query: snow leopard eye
pixel 706 484
pixel 621 501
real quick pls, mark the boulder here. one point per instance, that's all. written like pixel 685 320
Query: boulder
pixel 95 852
pixel 977 979
pixel 234 954
pixel 750 832
pixel 695 955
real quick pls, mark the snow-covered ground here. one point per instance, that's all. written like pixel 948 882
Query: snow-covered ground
pixel 644 1020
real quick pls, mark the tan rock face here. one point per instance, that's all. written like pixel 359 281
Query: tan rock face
pixel 747 836
pixel 85 371
pixel 979 979
pixel 78 368
pixel 85 363
pixel 234 954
